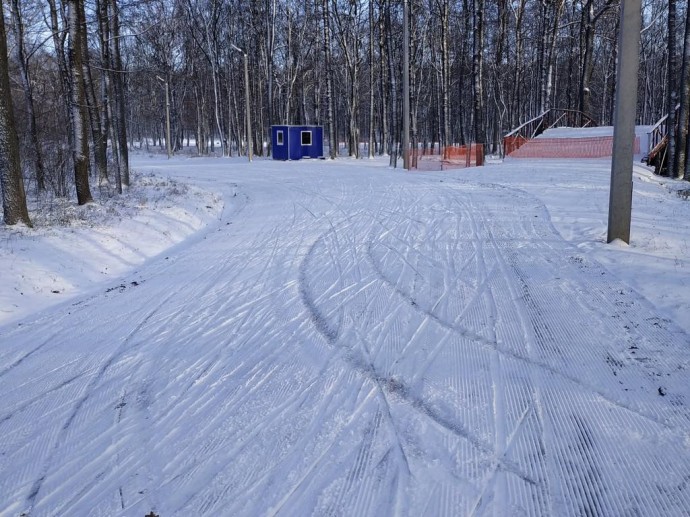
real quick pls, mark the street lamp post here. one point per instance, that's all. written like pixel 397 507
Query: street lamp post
pixel 248 105
pixel 167 116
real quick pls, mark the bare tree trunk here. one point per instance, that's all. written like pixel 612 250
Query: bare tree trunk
pixel 550 42
pixel 270 48
pixel 236 115
pixel 353 105
pixel 445 73
pixel 99 133
pixel 477 72
pixel 329 78
pixel 348 36
pixel 384 83
pixel 588 22
pixel 79 119
pixel 202 130
pixel 683 147
pixel 288 67
pixel 11 182
pixel 571 103
pixel 27 86
pixel 517 75
pixel 612 88
pixel 200 136
pixel 59 37
pixel 99 130
pixel 370 148
pixel 586 49
pixel 394 133
pixel 230 90
pixel 120 108
pixel 498 66
pixel 106 83
pixel 672 98
pixel 216 97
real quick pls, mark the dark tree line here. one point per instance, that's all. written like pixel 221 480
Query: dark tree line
pixel 86 79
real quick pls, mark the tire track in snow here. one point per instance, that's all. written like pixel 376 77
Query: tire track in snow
pixel 483 341
pixel 547 368
pixel 395 387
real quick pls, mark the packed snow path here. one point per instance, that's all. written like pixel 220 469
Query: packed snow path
pixel 351 343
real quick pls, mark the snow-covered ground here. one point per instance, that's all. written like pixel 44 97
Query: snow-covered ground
pixel 319 338
pixel 73 249
pixel 642 132
pixel 577 132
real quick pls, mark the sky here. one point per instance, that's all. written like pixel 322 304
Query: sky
pixel 338 337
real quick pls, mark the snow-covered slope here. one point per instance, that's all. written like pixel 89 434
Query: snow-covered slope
pixel 73 249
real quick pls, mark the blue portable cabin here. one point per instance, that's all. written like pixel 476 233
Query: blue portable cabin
pixel 297 142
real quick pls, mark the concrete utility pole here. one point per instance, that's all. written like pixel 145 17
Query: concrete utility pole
pixel 620 196
pixel 406 87
pixel 167 116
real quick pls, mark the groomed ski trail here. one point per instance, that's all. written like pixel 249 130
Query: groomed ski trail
pixel 343 342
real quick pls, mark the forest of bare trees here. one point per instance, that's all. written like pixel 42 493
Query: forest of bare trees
pixel 83 82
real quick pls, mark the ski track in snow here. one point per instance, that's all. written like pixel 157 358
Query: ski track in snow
pixel 352 344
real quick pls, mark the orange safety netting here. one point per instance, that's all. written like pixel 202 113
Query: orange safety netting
pixel 451 157
pixel 513 143
pixel 589 147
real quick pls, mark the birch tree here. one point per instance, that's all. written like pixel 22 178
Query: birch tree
pixel 77 101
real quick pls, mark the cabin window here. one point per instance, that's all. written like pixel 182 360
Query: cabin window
pixel 306 137
pixel 279 138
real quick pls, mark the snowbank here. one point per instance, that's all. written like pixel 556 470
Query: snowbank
pixel 73 249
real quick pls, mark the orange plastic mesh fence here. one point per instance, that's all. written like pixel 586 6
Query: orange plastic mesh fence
pixel 451 157
pixel 589 147
pixel 513 143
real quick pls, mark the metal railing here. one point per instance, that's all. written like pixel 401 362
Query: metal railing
pixel 658 137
